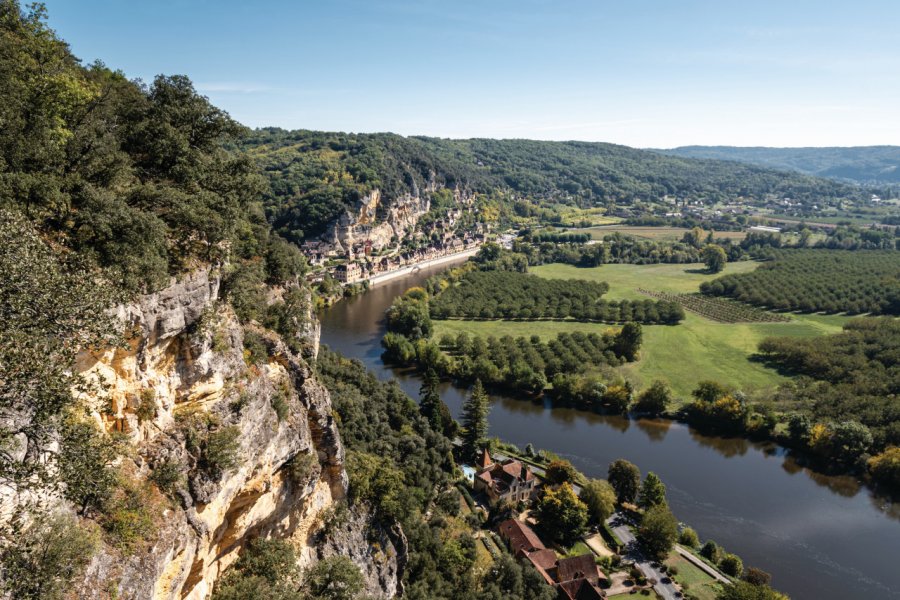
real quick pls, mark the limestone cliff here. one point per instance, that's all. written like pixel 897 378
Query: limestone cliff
pixel 184 364
pixel 376 222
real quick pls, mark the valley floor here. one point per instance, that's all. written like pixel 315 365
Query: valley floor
pixel 683 354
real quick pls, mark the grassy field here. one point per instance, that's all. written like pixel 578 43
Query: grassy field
pixel 692 579
pixel 668 234
pixel 683 354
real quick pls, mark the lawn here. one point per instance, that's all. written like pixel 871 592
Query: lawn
pixel 684 354
pixel 692 579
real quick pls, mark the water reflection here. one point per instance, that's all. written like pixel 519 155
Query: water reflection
pixel 821 536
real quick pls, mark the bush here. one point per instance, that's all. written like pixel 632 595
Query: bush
pixel 44 558
pixel 126 516
pixel 255 351
pixel 168 476
pixel 301 466
pixel 280 401
pixel 688 537
pixel 732 565
pixel 221 452
pixel 146 409
pixel 85 464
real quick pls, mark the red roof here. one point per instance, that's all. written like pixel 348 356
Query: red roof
pixel 580 589
pixel 484 461
pixel 579 567
pixel 520 537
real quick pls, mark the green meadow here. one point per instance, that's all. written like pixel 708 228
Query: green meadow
pixel 683 354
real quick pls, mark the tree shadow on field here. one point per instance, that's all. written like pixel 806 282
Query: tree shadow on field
pixel 699 271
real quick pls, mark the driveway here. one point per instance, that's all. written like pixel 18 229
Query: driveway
pixel 621 527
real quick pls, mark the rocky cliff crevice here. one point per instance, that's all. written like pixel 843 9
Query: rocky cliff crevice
pixel 183 376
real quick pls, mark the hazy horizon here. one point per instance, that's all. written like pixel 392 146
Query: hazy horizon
pixel 645 75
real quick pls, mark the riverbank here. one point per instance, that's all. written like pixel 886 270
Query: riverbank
pixel 412 269
pixel 731 489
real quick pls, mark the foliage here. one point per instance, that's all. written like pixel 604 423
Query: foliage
pixel 722 310
pixel 885 467
pixel 315 176
pixel 655 399
pixel 561 513
pixel 560 471
pixel 600 499
pixel 51 308
pixel 221 452
pixel 812 280
pixel 714 258
pixel 132 176
pixel 266 570
pixel 433 407
pixel 848 377
pixel 127 517
pixel 625 478
pixel 334 578
pixel 474 421
pixel 375 480
pixel 509 295
pixel 46 557
pixel 409 316
pixel 658 531
pixel 732 564
pixel 85 463
pixel 688 537
pixel 653 492
pixel 742 590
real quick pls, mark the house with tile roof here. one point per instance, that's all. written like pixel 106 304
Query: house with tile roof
pixel 507 481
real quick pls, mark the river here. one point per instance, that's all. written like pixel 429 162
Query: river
pixel 821 537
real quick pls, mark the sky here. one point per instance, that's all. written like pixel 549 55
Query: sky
pixel 644 73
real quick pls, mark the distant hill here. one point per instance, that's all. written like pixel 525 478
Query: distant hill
pixel 870 165
pixel 314 175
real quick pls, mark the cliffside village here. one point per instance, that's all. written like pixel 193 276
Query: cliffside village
pixel 511 482
pixel 356 250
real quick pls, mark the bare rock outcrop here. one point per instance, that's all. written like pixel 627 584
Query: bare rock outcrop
pixel 184 364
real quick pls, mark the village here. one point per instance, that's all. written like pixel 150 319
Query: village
pixel 604 561
pixel 362 248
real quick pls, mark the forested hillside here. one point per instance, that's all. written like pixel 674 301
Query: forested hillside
pixel 878 165
pixel 314 175
pixel 131 176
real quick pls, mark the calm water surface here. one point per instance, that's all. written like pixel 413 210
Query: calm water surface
pixel 821 537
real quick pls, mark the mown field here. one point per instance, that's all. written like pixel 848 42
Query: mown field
pixel 683 354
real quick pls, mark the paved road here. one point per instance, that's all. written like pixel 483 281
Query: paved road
pixel 621 528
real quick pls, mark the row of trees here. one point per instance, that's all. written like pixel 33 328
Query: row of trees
pixel 512 295
pixel 862 281
pixel 519 364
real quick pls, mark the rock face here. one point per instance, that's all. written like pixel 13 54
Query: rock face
pixel 371 221
pixel 185 363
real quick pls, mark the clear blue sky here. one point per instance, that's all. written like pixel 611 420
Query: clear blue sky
pixel 638 72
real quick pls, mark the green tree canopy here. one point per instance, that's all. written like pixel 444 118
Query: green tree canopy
pixel 625 478
pixel 658 531
pixel 600 498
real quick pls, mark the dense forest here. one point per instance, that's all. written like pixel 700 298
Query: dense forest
pixel 315 175
pixel 401 466
pixel 863 281
pixel 849 377
pixel 512 295
pixel 133 177
pixel 878 165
